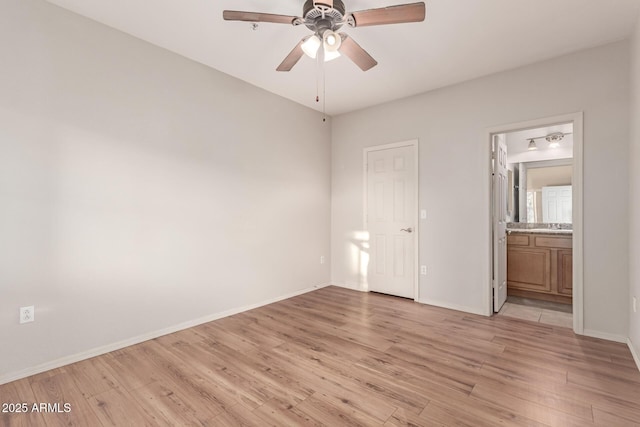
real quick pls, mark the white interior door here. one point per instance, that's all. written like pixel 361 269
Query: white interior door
pixel 391 208
pixel 499 222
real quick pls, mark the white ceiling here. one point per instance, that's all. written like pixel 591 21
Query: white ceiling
pixel 459 40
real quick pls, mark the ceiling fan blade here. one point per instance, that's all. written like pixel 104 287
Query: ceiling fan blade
pixel 237 15
pixel 356 53
pixel 328 3
pixel 413 12
pixel 292 59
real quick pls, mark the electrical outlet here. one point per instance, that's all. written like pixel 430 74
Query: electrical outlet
pixel 635 305
pixel 27 314
pixel 322 259
pixel 423 270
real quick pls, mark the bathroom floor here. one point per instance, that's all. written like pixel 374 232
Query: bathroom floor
pixel 549 313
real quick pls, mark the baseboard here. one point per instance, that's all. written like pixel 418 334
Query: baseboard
pixel 452 306
pixel 636 358
pixel 604 335
pixel 67 360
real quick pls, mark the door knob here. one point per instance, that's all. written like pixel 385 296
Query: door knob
pixel 408 230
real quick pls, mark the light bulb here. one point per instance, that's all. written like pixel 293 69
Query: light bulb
pixel 332 41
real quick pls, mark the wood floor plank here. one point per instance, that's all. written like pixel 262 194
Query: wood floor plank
pixel 332 335
pixel 277 413
pixel 607 368
pixel 435 373
pixel 206 395
pixel 402 418
pixel 131 369
pixel 237 416
pixel 320 409
pixel 171 406
pixel 274 377
pixel 116 408
pixel 529 408
pixel 328 380
pixel 607 418
pixel 61 389
pixel 382 386
pixel 626 406
pixel 545 397
pixel 18 393
pixel 92 376
pixel 341 357
pixel 245 389
pixel 607 384
pixel 474 413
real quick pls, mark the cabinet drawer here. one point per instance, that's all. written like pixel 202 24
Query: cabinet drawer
pixel 553 242
pixel 518 239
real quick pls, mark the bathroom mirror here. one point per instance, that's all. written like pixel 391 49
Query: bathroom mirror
pixel 544 192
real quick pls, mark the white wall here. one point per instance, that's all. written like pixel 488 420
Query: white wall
pixel 451 124
pixel 634 195
pixel 140 190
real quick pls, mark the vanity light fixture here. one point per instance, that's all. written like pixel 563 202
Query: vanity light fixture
pixel 554 139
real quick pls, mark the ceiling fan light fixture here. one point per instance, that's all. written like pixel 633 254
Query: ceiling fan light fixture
pixel 532 145
pixel 311 45
pixel 332 41
pixel 330 56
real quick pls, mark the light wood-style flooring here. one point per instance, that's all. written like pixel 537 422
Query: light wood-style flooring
pixel 337 357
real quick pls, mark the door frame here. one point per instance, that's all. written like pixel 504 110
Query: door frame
pixel 365 226
pixel 577 203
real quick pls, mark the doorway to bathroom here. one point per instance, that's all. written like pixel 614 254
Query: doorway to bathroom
pixel 536 221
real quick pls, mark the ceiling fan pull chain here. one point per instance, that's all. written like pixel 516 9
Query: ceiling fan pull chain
pixel 318 77
pixel 324 97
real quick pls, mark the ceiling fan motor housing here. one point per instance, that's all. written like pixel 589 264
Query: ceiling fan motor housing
pixel 318 17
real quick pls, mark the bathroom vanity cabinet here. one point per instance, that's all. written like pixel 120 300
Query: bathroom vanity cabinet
pixel 539 265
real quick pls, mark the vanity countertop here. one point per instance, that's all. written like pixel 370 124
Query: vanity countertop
pixel 540 231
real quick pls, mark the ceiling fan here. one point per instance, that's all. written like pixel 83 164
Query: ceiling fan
pixel 324 18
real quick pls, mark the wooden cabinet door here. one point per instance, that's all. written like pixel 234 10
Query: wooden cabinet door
pixel 565 272
pixel 529 269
